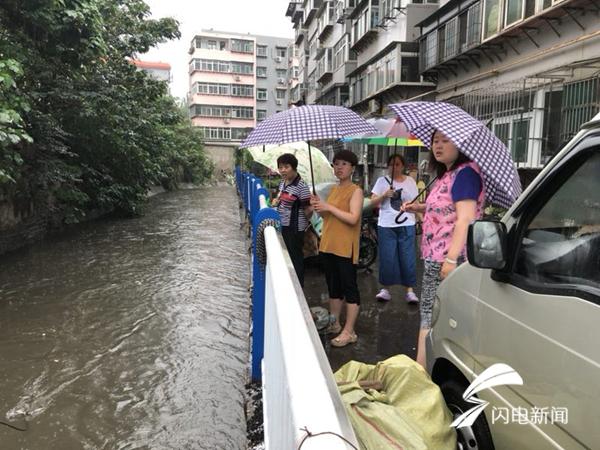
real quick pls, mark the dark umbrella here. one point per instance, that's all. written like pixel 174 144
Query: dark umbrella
pixel 306 123
pixel 472 137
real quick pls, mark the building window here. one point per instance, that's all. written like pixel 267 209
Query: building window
pixel 261 72
pixel 261 50
pixel 451 38
pixel 261 114
pixel 242 90
pixel 242 46
pixel 281 73
pixel 209 65
pixel 211 111
pixel 473 26
pixel 281 52
pixel 410 69
pixel 502 132
pixel 430 49
pixel 580 102
pixel 222 45
pixel 241 68
pixel 380 71
pixel 239 134
pixel 280 94
pixel 214 133
pixel 261 94
pixel 491 22
pixel 514 11
pixel 242 112
pixel 212 45
pixel 339 49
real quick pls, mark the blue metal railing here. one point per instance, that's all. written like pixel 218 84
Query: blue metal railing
pixel 250 189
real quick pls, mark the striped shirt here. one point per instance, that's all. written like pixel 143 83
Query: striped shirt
pixel 293 198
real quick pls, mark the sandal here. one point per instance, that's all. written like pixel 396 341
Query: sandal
pixel 344 339
pixel 334 328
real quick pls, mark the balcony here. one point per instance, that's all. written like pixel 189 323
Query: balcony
pixel 320 50
pixel 342 13
pixel 360 5
pixel 325 67
pixel 326 20
pixel 310 10
pixel 365 28
pixel 467 38
pixel 300 33
pixel 295 11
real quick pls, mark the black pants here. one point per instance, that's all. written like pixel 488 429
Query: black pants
pixel 294 241
pixel 340 274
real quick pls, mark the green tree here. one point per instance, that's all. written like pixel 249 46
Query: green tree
pixel 77 120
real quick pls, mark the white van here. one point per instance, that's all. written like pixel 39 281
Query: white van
pixel 530 298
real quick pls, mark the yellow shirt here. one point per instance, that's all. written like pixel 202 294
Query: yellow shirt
pixel 338 237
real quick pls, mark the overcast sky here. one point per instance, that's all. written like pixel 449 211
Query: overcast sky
pixel 262 17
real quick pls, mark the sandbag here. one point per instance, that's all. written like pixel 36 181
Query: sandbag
pixel 408 412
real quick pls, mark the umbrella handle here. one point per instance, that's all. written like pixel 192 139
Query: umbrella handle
pixel 399 219
pixel 393 165
pixel 312 175
pixel 422 190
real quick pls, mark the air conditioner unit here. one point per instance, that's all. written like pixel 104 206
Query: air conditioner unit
pixel 279 102
pixel 237 78
pixel 278 58
pixel 226 120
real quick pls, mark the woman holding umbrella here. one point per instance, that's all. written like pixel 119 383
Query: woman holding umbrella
pixel 396 230
pixel 339 245
pixel 456 199
pixel 293 205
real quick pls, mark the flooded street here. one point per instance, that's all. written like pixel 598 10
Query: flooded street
pixel 129 334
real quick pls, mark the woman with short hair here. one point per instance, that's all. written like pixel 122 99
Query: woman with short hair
pixel 339 247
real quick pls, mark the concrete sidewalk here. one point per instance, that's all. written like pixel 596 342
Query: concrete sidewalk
pixel 384 329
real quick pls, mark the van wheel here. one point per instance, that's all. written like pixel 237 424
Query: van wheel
pixel 475 437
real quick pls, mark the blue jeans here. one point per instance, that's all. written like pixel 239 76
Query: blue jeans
pixel 397 256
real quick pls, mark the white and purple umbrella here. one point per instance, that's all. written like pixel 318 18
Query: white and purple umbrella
pixel 306 123
pixel 472 138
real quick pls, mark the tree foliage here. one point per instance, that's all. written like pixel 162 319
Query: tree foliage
pixel 77 120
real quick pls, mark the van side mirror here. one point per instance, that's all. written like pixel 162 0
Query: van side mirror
pixel 486 244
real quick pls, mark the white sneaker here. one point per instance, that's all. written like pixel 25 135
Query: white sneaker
pixel 383 295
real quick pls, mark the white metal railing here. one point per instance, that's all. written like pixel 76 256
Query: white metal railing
pixel 299 391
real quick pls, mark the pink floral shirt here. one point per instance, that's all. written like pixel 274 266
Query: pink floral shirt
pixel 440 215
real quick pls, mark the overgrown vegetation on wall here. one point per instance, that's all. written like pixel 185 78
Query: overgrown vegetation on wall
pixel 78 122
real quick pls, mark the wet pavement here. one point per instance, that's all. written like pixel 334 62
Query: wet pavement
pixel 384 329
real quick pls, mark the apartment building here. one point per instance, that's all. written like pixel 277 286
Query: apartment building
pixel 272 75
pixel 235 81
pixel 530 69
pixel 361 54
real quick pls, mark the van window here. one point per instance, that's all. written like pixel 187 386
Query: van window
pixel 562 242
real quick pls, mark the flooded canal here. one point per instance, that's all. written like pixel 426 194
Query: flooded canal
pixel 129 334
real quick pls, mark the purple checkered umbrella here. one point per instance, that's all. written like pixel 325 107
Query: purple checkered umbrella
pixel 472 138
pixel 306 123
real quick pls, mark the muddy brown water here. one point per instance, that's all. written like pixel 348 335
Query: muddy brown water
pixel 129 334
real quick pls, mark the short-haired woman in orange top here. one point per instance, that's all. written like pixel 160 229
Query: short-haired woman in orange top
pixel 339 245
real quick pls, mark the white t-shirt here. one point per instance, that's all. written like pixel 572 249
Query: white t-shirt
pixel 390 207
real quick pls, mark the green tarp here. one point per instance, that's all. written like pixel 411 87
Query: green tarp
pixel 407 411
